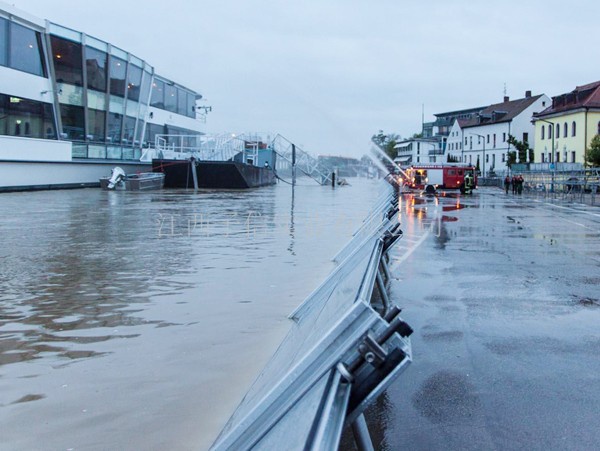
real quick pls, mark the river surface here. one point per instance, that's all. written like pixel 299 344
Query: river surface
pixel 139 320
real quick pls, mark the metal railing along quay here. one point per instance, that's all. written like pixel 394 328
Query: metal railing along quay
pixel 570 185
pixel 346 345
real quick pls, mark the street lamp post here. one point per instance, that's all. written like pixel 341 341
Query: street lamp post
pixel 482 137
pixel 552 132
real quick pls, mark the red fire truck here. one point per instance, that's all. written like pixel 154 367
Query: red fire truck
pixel 431 177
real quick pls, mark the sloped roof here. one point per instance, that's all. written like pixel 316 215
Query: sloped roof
pixel 458 112
pixel 501 112
pixel 585 96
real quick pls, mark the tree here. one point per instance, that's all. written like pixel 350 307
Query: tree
pixel 453 159
pixel 386 142
pixel 592 153
pixel 511 158
pixel 477 165
pixel 522 148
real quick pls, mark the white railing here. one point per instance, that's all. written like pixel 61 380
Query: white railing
pixel 305 162
pixel 217 147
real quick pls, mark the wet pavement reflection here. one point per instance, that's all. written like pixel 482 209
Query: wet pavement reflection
pixel 505 303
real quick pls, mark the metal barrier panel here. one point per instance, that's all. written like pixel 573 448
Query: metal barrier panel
pixel 339 355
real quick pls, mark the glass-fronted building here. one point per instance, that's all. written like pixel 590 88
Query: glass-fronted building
pixel 61 84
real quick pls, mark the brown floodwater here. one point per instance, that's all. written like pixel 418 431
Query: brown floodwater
pixel 139 320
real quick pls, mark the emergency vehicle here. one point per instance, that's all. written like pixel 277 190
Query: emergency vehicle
pixel 431 177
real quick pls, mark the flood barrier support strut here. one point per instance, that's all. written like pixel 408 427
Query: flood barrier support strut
pixel 348 343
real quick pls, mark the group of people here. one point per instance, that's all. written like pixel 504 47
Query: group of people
pixel 516 182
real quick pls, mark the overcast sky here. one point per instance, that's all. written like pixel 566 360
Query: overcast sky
pixel 328 74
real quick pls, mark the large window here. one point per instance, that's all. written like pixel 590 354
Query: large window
pixel 191 105
pixel 96 63
pixel 27 118
pixel 134 82
pixel 543 132
pixel 118 69
pixel 158 94
pixel 151 131
pixel 167 96
pixel 96 125
pixel 68 66
pixel 171 98
pixel 25 50
pixel 182 103
pixel 573 129
pixel 138 132
pixel 115 121
pixel 72 122
pixel 3 42
pixel 146 80
pixel 565 131
pixel 129 128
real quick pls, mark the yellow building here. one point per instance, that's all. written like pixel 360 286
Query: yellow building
pixel 565 129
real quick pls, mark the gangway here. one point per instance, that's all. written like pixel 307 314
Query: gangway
pixel 225 146
pixel 300 159
pixel 213 147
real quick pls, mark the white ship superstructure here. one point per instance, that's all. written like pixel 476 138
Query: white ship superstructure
pixel 73 106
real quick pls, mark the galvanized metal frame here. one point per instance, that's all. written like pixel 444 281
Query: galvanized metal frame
pixel 355 375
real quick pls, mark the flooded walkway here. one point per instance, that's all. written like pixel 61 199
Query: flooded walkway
pixel 139 320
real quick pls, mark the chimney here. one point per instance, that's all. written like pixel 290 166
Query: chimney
pixel 527 94
pixel 506 99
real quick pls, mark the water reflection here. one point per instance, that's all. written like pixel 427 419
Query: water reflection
pixel 153 299
pixel 292 227
pixel 380 416
pixel 74 273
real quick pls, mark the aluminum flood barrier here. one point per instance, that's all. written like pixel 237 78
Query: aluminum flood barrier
pixel 346 345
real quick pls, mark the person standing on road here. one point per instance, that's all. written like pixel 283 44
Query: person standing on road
pixel 506 183
pixel 514 184
pixel 520 184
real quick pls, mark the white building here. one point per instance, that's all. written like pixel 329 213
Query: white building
pixel 419 150
pixel 485 137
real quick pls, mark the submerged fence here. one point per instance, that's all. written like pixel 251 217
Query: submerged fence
pixel 346 345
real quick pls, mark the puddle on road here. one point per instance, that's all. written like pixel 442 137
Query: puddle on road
pixel 447 397
pixel 450 335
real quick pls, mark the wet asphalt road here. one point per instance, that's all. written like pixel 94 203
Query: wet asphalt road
pixel 504 295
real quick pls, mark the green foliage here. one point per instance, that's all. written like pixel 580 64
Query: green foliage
pixel 477 165
pixel 417 135
pixel 522 148
pixel 453 159
pixel 511 158
pixel 592 153
pixel 386 142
